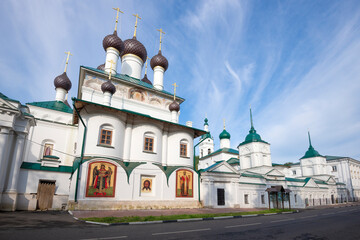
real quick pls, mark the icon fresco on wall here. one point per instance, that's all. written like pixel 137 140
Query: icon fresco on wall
pixel 101 180
pixel 146 184
pixel 184 183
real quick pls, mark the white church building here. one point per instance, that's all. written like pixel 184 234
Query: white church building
pixel 119 145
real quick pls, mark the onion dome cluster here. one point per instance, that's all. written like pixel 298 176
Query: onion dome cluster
pixel 159 60
pixel 108 87
pixel 133 46
pixel 62 81
pixel 174 106
pixel 112 40
pixel 101 67
pixel 145 79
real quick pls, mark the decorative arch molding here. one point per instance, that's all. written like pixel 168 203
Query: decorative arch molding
pixel 168 170
pixel 127 166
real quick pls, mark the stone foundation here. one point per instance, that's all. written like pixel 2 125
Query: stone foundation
pixel 129 205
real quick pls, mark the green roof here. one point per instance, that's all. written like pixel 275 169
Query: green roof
pixel 206 135
pixel 252 136
pixel 53 105
pixel 253 175
pixel 222 150
pixel 215 164
pixel 7 98
pixel 233 161
pixel 294 179
pixel 311 152
pixel 329 158
pixel 133 80
pixel 224 134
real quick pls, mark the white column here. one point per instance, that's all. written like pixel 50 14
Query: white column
pixel 127 141
pixel 16 163
pixel 107 98
pixel 164 148
pixel 131 65
pixel 5 145
pixel 60 94
pixel 111 61
pixel 159 77
pixel 225 143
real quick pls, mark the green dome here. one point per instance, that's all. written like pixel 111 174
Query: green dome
pixel 206 121
pixel 311 152
pixel 224 135
pixel 253 136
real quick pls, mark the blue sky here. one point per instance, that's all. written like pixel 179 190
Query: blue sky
pixel 295 62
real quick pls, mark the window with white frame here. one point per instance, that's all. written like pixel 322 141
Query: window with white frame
pixel 246 198
pixel 295 197
pixel 262 199
pixel 183 148
pixel 149 142
pixel 294 172
pixel 334 169
pixel 106 135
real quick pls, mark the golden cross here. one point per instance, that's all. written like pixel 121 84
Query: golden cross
pixel 147 58
pixel 224 123
pixel 161 32
pixel 175 86
pixel 67 59
pixel 111 63
pixel 117 16
pixel 137 17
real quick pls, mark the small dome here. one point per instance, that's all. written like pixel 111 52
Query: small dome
pixel 112 40
pixel 174 106
pixel 101 67
pixel 145 79
pixel 159 60
pixel 108 87
pixel 133 46
pixel 253 136
pixel 62 81
pixel 224 135
pixel 206 122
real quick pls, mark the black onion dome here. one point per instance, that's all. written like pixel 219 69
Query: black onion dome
pixel 101 67
pixel 145 79
pixel 108 87
pixel 112 40
pixel 159 60
pixel 174 106
pixel 62 81
pixel 133 46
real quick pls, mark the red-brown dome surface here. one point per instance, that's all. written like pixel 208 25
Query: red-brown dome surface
pixel 62 81
pixel 159 60
pixel 133 46
pixel 112 40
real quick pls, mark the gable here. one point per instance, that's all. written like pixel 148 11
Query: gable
pixel 221 167
pixel 6 104
pixel 310 183
pixel 331 180
pixel 275 173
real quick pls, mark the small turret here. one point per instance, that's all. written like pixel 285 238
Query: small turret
pixel 224 138
pixel 62 83
pixel 159 64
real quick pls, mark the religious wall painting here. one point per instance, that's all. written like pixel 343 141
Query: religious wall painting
pixel 137 94
pixel 184 183
pixel 146 185
pixel 101 180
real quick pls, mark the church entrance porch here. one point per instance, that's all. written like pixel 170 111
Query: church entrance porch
pixel 278 196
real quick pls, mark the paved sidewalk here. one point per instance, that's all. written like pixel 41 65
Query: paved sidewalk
pixel 158 212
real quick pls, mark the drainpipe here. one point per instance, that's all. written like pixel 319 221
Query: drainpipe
pixel 197 171
pixel 82 152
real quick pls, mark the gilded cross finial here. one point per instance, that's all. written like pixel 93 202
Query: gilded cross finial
pixel 175 86
pixel 136 17
pixel 67 59
pixel 147 58
pixel 224 123
pixel 161 32
pixel 117 16
pixel 111 64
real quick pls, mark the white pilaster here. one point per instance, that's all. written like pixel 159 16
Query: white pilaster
pixel 174 117
pixel 127 141
pixel 164 148
pixel 131 65
pixel 5 144
pixel 159 77
pixel 111 61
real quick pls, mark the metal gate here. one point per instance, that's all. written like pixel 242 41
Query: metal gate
pixel 45 194
pixel 221 196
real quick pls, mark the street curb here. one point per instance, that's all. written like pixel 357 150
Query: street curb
pixel 181 220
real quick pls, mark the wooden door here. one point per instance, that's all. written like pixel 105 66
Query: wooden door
pixel 221 196
pixel 45 194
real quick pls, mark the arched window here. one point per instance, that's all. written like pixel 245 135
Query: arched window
pixel 106 135
pixel 209 151
pixel 183 148
pixel 202 153
pixel 149 142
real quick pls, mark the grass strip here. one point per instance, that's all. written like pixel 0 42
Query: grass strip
pixel 175 217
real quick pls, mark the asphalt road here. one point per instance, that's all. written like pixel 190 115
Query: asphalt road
pixel 332 223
